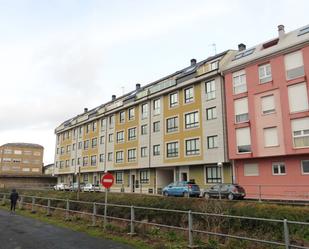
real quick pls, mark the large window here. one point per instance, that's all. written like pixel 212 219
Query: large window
pixel 213 174
pixel 156 107
pixel 271 137
pixel 110 138
pixel 189 95
pixel 131 113
pixel 241 110
pixel 93 160
pixel 156 150
pixel 191 120
pixel 211 113
pixel 268 104
pixel 144 129
pixel 94 142
pixel 243 140
pixel 210 90
pixel 251 169
pixel 132 134
pixel 278 169
pixel 212 142
pixel 122 116
pixel 131 155
pixel 110 156
pixel 144 111
pixel 119 177
pixel 85 161
pixel 102 140
pixel 239 82
pixel 173 99
pixel 305 167
pixel 120 137
pixel 298 97
pixel 265 73
pixel 294 65
pixel 86 145
pixel 172 124
pixel 172 149
pixel 103 125
pixel 119 157
pixel 156 126
pixel 101 158
pixel 111 121
pixel 193 147
pixel 144 176
pixel 300 129
pixel 94 126
pixel 143 151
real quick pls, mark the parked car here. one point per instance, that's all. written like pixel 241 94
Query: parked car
pixel 61 186
pixel 229 191
pixel 182 188
pixel 89 187
pixel 74 186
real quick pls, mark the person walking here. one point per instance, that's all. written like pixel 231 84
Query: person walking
pixel 13 197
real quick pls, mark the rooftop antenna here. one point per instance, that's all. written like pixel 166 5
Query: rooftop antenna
pixel 214 47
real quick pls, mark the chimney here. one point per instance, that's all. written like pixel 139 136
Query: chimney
pixel 138 86
pixel 241 47
pixel 85 110
pixel 113 97
pixel 281 31
pixel 193 62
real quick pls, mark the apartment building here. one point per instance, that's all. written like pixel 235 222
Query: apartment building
pixel 171 129
pixel 21 159
pixel 267 93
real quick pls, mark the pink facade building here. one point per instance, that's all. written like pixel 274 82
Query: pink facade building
pixel 267 91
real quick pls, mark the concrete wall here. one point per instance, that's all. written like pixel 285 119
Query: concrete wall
pixel 26 182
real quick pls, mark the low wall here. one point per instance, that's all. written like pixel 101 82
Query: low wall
pixel 27 181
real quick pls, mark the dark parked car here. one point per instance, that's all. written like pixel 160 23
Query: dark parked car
pixel 229 191
pixel 183 188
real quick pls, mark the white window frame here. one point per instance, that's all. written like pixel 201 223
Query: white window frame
pixel 190 98
pixel 302 167
pixel 173 100
pixel 278 165
pixel 156 107
pixel 265 75
pixel 239 82
pixel 210 89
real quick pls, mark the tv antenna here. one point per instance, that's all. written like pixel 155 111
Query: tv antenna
pixel 214 47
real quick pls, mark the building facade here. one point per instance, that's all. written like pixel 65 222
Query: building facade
pixel 169 130
pixel 21 159
pixel 267 93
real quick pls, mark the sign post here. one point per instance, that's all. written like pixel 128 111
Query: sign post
pixel 107 181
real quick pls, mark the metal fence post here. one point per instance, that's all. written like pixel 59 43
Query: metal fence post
pixel 260 193
pixel 132 231
pixel 220 197
pixel 67 210
pixel 20 204
pixel 286 234
pixel 3 200
pixel 32 206
pixel 94 213
pixel 48 208
pixel 190 227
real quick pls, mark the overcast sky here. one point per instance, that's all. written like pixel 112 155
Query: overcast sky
pixel 57 57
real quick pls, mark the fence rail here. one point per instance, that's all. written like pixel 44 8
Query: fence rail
pixel 130 217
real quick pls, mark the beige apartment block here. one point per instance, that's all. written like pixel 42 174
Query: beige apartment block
pixel 21 159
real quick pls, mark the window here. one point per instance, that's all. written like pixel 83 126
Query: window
pixel 73 147
pixel 156 107
pixel 241 110
pixel 86 145
pixel 212 142
pixel 68 148
pixel 193 147
pixel 144 152
pixel 17 152
pixel 300 129
pixel 132 134
pixel 85 161
pixel 93 160
pixel 119 177
pixel 102 140
pixel 85 177
pixel 110 156
pixel 305 167
pixel 131 113
pixel 189 95
pixel 156 150
pixel 61 164
pixel 239 82
pixel 56 152
pixel 94 126
pixel 268 104
pixel 156 126
pixel 80 145
pixel 243 140
pixel 119 156
pixel 7 151
pixel 144 111
pixel 213 174
pixel 6 159
pixel 144 129
pixel 111 121
pixel 111 137
pixel 251 169
pixel 210 90
pixel 61 151
pixel 294 65
pixel 78 161
pixel 265 73
pixel 211 113
pixel 172 149
pixel 270 137
pixel 120 137
pixel 278 169
pixel 122 117
pixel 101 158
pixel 191 120
pixel 88 128
pixel 173 99
pixel 103 124
pixel 144 176
pixel 172 124
pixel 80 131
pixel 298 97
pixel 214 65
pixel 94 142
pixel 131 155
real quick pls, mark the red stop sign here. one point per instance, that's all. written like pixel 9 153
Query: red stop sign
pixel 107 180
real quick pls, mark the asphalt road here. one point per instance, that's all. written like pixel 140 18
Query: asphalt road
pixel 19 232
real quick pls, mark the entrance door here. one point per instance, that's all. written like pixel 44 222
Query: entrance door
pixel 184 176
pixel 133 183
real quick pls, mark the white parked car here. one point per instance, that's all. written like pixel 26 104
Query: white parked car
pixel 61 186
pixel 89 187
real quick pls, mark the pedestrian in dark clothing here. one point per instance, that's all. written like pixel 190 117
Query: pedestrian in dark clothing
pixel 13 197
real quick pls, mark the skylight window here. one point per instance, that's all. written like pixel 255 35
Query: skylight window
pixel 304 31
pixel 244 54
pixel 270 43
